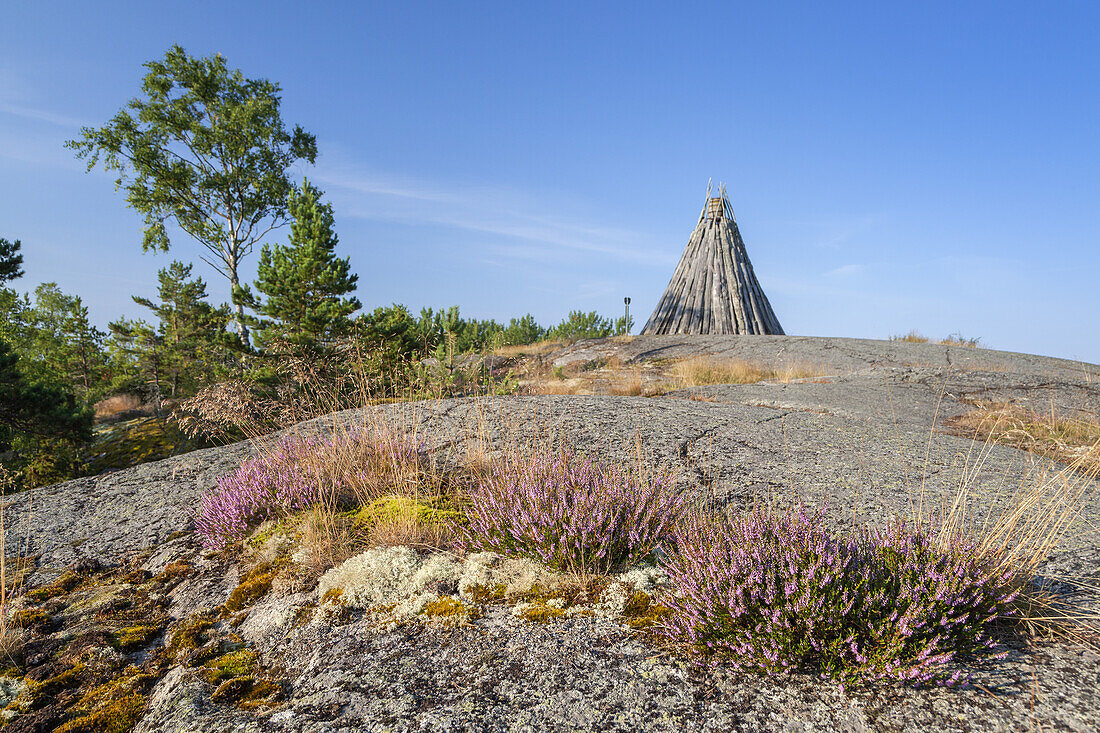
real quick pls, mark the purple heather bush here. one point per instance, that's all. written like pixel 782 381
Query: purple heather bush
pixel 775 592
pixel 570 513
pixel 296 474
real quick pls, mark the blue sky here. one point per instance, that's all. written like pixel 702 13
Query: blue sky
pixel 931 166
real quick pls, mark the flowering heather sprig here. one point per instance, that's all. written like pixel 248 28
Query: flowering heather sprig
pixel 569 513
pixel 775 592
pixel 296 474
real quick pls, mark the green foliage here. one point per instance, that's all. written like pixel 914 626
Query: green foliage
pixel 581 325
pixel 56 342
pixel 40 424
pixel 522 331
pixel 186 350
pixel 206 148
pixel 304 282
pixel 133 442
pixel 10 260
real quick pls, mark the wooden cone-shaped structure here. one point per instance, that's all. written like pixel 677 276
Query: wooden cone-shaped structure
pixel 714 289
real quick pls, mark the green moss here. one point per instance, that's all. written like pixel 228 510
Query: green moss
pixel 114 707
pixel 116 716
pixel 451 612
pixel 333 595
pixel 134 637
pixel 131 442
pixel 190 633
pixel 539 611
pixel 252 588
pixel 35 693
pixel 233 689
pixel 64 584
pixel 260 694
pixel 642 612
pixel 392 508
pixel 241 663
pixel 29 618
pixel 481 593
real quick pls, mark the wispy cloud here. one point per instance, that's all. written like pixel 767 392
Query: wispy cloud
pixel 41 115
pixel 538 231
pixel 846 271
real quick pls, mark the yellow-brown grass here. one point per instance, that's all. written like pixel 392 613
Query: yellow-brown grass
pixel 632 386
pixel 371 499
pixel 115 404
pixel 1019 535
pixel 913 337
pixel 699 371
pixel 955 339
pixel 1070 440
pixel 11 583
pixel 538 348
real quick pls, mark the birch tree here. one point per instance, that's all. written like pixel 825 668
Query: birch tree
pixel 204 148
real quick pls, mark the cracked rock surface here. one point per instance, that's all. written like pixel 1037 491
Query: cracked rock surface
pixel 864 439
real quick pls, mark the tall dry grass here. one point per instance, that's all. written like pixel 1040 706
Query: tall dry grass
pixel 1070 440
pixel 699 371
pixel 11 581
pixel 1019 535
pixel 375 498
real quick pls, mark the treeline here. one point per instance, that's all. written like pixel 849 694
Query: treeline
pixel 205 149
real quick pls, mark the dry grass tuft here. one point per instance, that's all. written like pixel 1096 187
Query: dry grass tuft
pixel 538 348
pixel 632 386
pixel 11 584
pixel 955 339
pixel 1072 441
pixel 1019 537
pixel 116 404
pixel 388 501
pixel 699 371
pixel 913 337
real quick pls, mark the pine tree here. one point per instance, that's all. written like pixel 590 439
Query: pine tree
pixel 10 260
pixel 191 332
pixel 304 282
pixel 183 350
pixel 57 342
pixel 138 349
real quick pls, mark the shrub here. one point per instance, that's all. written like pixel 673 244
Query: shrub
pixel 581 325
pixel 296 474
pixel 571 514
pixel 775 592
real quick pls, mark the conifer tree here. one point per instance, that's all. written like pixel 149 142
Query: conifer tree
pixel 304 282
pixel 192 332
pixel 10 260
pixel 185 348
